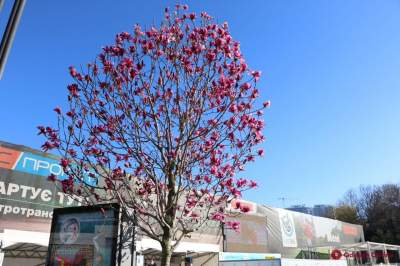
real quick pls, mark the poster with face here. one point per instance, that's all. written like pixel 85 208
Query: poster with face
pixel 83 236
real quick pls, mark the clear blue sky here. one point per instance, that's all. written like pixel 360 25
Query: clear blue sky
pixel 330 68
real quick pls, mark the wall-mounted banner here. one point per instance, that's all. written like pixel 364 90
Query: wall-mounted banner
pixel 274 230
pixel 289 238
pixel 84 236
pixel 27 198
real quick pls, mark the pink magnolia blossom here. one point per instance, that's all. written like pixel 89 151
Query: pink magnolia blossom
pixel 64 162
pixel 218 217
pixel 52 178
pixel 256 75
pixel 266 104
pixel 253 184
pixel 244 208
pixel 57 110
pixel 234 225
pixel 73 72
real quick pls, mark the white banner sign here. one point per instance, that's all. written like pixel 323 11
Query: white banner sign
pixel 288 231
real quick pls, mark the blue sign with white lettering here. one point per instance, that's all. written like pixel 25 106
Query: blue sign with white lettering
pixel 43 166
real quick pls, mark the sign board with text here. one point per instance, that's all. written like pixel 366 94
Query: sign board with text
pixel 27 198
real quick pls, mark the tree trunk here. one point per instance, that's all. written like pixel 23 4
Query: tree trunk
pixel 166 251
pixel 170 220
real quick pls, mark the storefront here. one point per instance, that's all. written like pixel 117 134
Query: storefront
pixel 268 236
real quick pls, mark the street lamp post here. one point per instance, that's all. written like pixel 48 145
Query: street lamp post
pixel 9 33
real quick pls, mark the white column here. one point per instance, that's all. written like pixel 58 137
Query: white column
pixel 1 258
pixel 385 255
pixel 369 254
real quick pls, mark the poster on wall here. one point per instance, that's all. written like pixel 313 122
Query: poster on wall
pixel 289 238
pixel 84 236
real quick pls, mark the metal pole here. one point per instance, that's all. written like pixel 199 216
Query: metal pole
pixel 1 250
pixel 9 33
pixel 133 244
pixel 1 4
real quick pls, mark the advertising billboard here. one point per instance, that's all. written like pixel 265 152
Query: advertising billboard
pixel 26 196
pixel 274 230
pixel 84 236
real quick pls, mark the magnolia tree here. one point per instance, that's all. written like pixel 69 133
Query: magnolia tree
pixel 165 120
